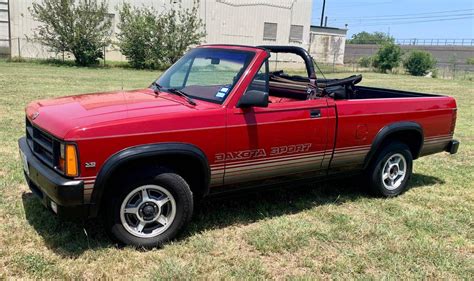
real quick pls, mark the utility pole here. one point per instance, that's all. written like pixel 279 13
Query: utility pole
pixel 322 13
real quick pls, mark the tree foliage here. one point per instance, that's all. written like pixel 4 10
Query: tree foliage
pixel 150 39
pixel 80 27
pixel 387 57
pixel 366 61
pixel 370 38
pixel 418 63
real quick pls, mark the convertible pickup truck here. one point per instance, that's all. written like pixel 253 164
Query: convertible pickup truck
pixel 215 121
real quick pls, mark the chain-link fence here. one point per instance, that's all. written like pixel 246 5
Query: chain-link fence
pixel 451 63
pixel 27 48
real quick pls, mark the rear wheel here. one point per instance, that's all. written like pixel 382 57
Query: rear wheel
pixel 389 173
pixel 149 210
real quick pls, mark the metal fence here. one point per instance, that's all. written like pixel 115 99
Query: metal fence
pixel 335 62
pixel 31 49
pixel 436 42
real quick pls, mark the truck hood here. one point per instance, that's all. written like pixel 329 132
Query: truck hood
pixel 60 115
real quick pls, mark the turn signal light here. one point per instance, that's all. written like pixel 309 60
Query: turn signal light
pixel 71 161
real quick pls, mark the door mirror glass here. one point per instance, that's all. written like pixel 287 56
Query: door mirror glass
pixel 254 98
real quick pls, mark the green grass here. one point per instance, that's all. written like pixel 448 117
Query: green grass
pixel 328 230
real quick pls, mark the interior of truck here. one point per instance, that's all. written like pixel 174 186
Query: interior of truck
pixel 284 87
pixel 287 88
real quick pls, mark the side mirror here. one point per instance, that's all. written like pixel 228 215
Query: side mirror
pixel 253 98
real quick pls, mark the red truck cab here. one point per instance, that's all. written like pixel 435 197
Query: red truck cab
pixel 218 120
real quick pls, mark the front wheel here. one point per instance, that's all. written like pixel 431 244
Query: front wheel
pixel 149 211
pixel 390 172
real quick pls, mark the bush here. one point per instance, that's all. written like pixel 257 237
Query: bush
pixel 80 27
pixel 387 57
pixel 366 61
pixel 418 63
pixel 370 38
pixel 470 61
pixel 152 40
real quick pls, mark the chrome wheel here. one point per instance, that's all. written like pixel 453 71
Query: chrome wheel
pixel 148 211
pixel 394 171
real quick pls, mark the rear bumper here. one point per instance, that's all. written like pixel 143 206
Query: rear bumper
pixel 62 195
pixel 452 146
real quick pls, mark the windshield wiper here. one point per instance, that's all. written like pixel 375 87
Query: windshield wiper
pixel 182 94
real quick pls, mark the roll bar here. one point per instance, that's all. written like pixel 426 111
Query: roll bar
pixel 308 60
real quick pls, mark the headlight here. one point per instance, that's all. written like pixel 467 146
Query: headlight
pixel 68 161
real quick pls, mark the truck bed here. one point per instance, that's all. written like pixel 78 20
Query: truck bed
pixel 293 88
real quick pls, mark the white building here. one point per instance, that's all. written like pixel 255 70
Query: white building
pixel 246 22
pixel 327 44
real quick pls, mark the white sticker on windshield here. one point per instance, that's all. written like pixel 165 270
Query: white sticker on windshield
pixel 220 94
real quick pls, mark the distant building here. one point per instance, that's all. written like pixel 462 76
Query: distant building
pixel 327 44
pixel 4 26
pixel 247 22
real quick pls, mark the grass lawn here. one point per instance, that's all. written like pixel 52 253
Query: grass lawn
pixel 329 230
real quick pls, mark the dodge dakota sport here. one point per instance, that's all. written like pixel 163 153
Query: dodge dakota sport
pixel 218 120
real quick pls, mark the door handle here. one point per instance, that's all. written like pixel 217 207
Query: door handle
pixel 315 113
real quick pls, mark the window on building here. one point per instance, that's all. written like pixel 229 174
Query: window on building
pixel 296 33
pixel 270 31
pixel 112 21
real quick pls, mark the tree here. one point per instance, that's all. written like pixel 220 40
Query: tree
pixel 387 57
pixel 370 38
pixel 366 61
pixel 418 63
pixel 80 27
pixel 156 40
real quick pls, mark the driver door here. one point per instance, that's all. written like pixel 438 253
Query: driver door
pixel 283 139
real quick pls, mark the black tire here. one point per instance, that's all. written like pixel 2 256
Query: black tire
pixel 166 179
pixel 375 172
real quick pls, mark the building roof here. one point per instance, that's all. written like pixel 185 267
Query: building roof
pixel 327 29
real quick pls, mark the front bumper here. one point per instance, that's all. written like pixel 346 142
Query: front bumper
pixel 66 194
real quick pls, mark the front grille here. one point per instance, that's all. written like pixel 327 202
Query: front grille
pixel 43 145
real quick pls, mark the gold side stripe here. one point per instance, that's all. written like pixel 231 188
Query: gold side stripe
pixel 440 139
pixel 351 152
pixel 283 160
pixel 86 178
pixel 352 148
pixel 281 157
pixel 273 168
pixel 276 165
pixel 440 136
pixel 265 174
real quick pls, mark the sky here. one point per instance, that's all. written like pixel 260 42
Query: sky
pixel 403 19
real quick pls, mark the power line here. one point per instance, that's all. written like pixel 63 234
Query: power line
pixel 412 14
pixel 408 18
pixel 361 4
pixel 409 22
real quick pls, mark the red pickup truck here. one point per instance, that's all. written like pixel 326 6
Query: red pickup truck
pixel 219 119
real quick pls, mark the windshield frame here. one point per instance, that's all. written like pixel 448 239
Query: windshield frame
pixel 184 60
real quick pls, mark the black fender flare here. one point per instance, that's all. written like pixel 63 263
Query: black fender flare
pixel 387 131
pixel 144 151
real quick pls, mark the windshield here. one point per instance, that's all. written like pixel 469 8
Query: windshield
pixel 207 73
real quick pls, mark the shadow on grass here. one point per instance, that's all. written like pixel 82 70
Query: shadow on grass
pixel 71 239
